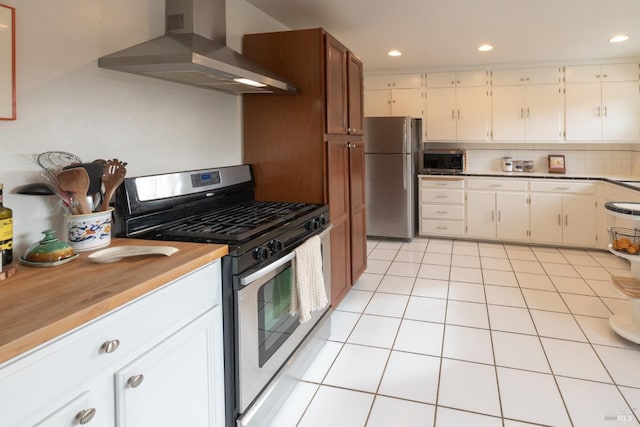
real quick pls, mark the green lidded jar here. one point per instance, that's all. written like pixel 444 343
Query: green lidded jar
pixel 49 249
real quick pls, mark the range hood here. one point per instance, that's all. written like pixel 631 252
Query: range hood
pixel 193 51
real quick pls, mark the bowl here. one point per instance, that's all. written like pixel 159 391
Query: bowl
pixel 48 250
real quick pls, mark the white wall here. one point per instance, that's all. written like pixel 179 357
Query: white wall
pixel 65 102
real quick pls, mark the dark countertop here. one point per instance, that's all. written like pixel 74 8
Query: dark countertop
pixel 632 182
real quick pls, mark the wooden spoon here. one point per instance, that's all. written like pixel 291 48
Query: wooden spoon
pixel 75 181
pixel 114 172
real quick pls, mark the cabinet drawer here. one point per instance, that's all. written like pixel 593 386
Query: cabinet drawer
pixel 455 212
pixel 442 196
pixel 564 187
pixel 426 182
pixel 70 360
pixel 497 184
pixel 449 228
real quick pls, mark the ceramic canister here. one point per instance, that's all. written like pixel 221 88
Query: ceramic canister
pixel 507 164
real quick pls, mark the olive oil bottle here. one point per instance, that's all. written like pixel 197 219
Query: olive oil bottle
pixel 6 232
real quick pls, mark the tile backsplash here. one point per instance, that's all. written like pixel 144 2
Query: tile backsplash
pixel 580 159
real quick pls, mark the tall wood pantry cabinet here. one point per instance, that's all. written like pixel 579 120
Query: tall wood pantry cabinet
pixel 309 147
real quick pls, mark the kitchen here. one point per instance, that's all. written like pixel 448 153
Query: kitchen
pixel 65 102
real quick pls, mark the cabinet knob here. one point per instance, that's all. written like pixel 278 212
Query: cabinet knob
pixel 135 380
pixel 85 415
pixel 110 346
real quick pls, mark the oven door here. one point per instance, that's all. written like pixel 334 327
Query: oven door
pixel 267 334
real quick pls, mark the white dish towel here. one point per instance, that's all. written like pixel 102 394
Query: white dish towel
pixel 308 293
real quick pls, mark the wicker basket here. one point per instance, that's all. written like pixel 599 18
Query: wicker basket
pixel 625 240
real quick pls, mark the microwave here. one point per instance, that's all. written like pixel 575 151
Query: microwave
pixel 443 161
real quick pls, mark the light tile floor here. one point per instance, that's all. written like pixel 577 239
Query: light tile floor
pixel 458 333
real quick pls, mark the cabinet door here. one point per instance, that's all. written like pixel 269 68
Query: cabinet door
pixel 472 113
pixel 336 63
pixel 621 111
pixel 579 220
pixel 441 110
pixel 406 81
pixel 406 102
pixel 446 79
pixel 582 112
pixel 355 99
pixel 357 202
pixel 338 190
pixel 546 218
pixel 181 379
pixel 543 113
pixel 508 113
pixel 513 216
pixel 377 103
pixel 481 214
pixel 620 72
pixel 471 78
pixel 80 410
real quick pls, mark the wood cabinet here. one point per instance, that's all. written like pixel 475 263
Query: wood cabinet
pixel 308 147
pixel 497 209
pixel 155 361
pixel 457 107
pixel 527 105
pixel 394 95
pixel 564 213
pixel 602 102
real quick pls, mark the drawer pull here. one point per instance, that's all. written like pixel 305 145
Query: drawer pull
pixel 86 415
pixel 495 185
pixel 562 188
pixel 135 380
pixel 442 184
pixel 442 212
pixel 110 346
pixel 441 228
pixel 441 196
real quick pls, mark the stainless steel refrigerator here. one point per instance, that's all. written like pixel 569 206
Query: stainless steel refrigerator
pixel 391 147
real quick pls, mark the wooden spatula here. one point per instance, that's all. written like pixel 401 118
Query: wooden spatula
pixel 75 181
pixel 114 172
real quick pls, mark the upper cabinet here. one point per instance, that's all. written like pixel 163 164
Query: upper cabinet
pixel 602 102
pixel 344 90
pixel 458 107
pixel 527 105
pixel 394 95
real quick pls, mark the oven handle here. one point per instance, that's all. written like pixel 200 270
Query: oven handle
pixel 268 269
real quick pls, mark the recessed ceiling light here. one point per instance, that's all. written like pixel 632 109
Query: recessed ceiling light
pixel 394 53
pixel 485 48
pixel 619 38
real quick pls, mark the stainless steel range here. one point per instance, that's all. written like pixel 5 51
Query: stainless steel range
pixel 266 348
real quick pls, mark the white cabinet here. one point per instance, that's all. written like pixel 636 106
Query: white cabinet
pixel 497 208
pixel 394 95
pixel 458 107
pixel 602 102
pixel 441 206
pixel 563 213
pixel 171 336
pixel 177 373
pixel 527 105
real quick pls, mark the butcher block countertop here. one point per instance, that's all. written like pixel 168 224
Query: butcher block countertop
pixel 40 303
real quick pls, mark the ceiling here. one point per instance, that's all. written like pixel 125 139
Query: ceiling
pixel 440 34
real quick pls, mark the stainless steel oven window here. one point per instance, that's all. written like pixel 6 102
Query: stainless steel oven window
pixel 275 324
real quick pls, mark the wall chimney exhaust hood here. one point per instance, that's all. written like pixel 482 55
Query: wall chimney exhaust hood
pixel 194 52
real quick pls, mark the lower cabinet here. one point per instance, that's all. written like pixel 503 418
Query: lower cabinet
pixel 502 214
pixel 347 209
pixel 156 361
pixel 567 219
pixel 545 211
pixel 441 206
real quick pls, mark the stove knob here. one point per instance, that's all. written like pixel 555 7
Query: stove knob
pixel 276 245
pixel 313 225
pixel 322 221
pixel 261 253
